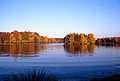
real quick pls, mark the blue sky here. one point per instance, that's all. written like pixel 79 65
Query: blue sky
pixel 56 18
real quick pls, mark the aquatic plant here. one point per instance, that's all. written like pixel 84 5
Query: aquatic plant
pixel 31 75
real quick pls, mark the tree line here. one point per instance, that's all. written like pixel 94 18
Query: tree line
pixel 70 39
pixel 26 37
pixel 108 40
pixel 79 39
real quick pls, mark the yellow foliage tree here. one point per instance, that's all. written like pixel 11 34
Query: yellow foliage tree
pixel 45 39
pixel 83 40
pixel 12 38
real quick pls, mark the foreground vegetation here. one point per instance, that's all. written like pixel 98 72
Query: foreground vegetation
pixel 43 75
pixel 31 75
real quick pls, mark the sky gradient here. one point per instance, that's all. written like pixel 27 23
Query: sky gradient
pixel 56 18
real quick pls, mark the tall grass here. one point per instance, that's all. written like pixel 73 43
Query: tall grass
pixel 31 75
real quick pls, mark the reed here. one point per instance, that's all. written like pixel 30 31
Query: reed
pixel 31 75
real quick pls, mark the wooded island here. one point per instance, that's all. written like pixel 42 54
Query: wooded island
pixel 79 39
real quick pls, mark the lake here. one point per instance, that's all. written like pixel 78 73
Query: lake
pixel 68 63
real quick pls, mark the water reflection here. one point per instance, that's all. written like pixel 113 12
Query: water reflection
pixel 79 50
pixel 109 45
pixel 36 50
pixel 21 50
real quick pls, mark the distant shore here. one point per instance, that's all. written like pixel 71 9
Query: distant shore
pixel 16 37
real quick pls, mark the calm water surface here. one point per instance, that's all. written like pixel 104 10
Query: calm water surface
pixel 66 62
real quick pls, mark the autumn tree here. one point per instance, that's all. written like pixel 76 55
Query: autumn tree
pixel 7 37
pixel 91 38
pixel 76 39
pixel 83 40
pixel 71 39
pixel 12 38
pixel 17 35
pixel 31 36
pixel 98 41
pixel 37 37
pixel 2 37
pixel 45 40
pixel 116 39
pixel 66 39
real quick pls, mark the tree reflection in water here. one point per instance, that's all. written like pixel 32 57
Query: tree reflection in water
pixel 117 46
pixel 79 50
pixel 22 50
